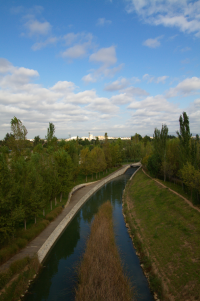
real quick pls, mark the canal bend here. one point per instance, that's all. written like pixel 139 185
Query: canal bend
pixel 58 277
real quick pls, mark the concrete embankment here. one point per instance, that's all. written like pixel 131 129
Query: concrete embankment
pixel 50 241
pixel 46 239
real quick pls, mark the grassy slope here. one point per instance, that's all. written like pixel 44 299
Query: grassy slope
pixel 101 274
pixel 25 269
pixel 169 230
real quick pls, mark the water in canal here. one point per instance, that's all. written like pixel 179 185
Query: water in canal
pixel 58 277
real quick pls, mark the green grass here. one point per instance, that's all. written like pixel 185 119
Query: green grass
pixel 168 230
pixel 15 267
pixel 21 283
pixel 176 188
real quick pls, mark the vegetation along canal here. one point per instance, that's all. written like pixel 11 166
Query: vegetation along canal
pixel 57 278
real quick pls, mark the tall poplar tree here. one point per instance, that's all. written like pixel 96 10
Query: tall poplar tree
pixel 184 137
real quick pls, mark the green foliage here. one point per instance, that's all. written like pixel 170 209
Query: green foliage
pixel 38 148
pixel 18 286
pixel 184 136
pixel 36 140
pixel 154 165
pixel 17 140
pixel 15 267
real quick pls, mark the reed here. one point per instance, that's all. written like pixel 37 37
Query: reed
pixel 101 275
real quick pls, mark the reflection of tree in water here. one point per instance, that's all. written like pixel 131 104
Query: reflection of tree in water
pixel 112 191
pixel 64 248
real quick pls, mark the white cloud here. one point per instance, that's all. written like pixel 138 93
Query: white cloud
pixel 135 80
pixel 181 14
pixel 185 49
pixel 5 66
pixel 80 49
pixel 75 51
pixel 36 27
pixel 40 45
pixel 157 80
pixel 79 112
pixel 152 112
pixel 117 85
pixel 70 38
pixel 152 43
pixel 135 91
pixel 63 86
pixel 107 56
pixel 187 87
pixel 36 105
pixel 89 78
pixel 17 78
pixel 128 95
pixel 110 72
pixel 103 105
pixel 103 21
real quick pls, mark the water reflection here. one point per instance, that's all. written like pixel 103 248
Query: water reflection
pixel 57 279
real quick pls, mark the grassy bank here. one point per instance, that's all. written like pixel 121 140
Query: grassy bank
pixel 23 272
pixel 166 233
pixel 101 274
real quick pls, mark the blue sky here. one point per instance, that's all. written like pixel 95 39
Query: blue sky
pixel 120 66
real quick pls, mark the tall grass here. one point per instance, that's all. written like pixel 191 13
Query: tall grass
pixel 101 274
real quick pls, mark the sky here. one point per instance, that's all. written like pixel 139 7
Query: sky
pixel 115 66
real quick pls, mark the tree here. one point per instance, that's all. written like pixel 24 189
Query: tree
pixel 107 154
pixel 10 212
pixel 51 139
pixel 7 137
pixel 18 129
pixel 154 165
pixel 18 139
pixel 136 138
pixel 85 162
pixel 146 139
pixel 36 140
pixel 159 142
pixel 191 177
pixel 115 154
pixel 98 161
pixel 184 137
pixel 65 171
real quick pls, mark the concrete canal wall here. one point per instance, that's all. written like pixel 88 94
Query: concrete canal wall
pixel 46 247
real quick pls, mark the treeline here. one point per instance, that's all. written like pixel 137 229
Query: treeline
pixel 33 175
pixel 177 159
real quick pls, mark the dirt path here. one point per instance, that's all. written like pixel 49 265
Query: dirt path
pixel 186 200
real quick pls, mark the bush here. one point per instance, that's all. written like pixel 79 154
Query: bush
pixel 53 214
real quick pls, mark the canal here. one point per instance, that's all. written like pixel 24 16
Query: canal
pixel 58 277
